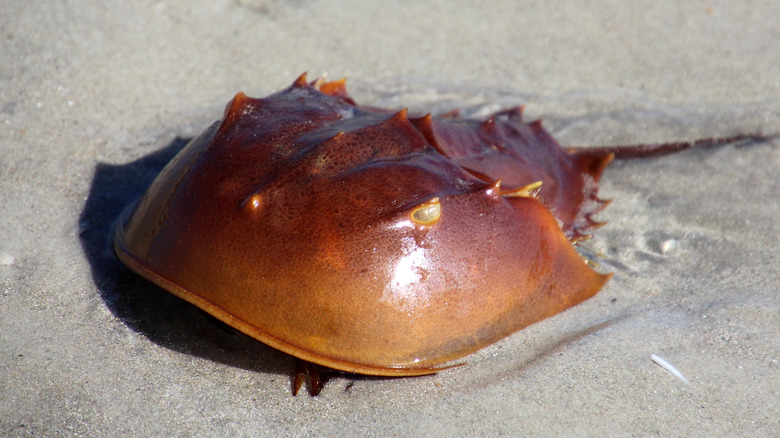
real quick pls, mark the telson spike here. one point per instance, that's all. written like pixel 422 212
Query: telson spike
pixel 495 189
pixel 516 113
pixel 578 237
pixel 401 115
pixel 528 190
pixel 592 223
pixel 424 124
pixel 233 107
pixel 334 88
pixel 301 81
pixel 317 83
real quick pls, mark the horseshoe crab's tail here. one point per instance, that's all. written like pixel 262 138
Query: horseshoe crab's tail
pixel 660 149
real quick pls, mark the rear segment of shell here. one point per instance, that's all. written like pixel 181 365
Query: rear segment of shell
pixel 504 147
pixel 364 240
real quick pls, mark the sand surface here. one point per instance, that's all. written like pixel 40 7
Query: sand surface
pixel 95 97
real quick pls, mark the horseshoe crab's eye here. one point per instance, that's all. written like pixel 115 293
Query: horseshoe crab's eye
pixel 427 213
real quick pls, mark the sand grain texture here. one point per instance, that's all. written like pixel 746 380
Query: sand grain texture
pixel 95 97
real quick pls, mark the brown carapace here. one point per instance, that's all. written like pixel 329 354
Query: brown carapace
pixel 365 240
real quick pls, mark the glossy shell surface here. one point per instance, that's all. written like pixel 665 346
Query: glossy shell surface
pixel 367 240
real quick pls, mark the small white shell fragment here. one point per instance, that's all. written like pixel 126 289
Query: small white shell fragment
pixel 668 367
pixel 668 245
pixel 6 259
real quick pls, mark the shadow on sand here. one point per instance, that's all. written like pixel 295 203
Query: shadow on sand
pixel 145 308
